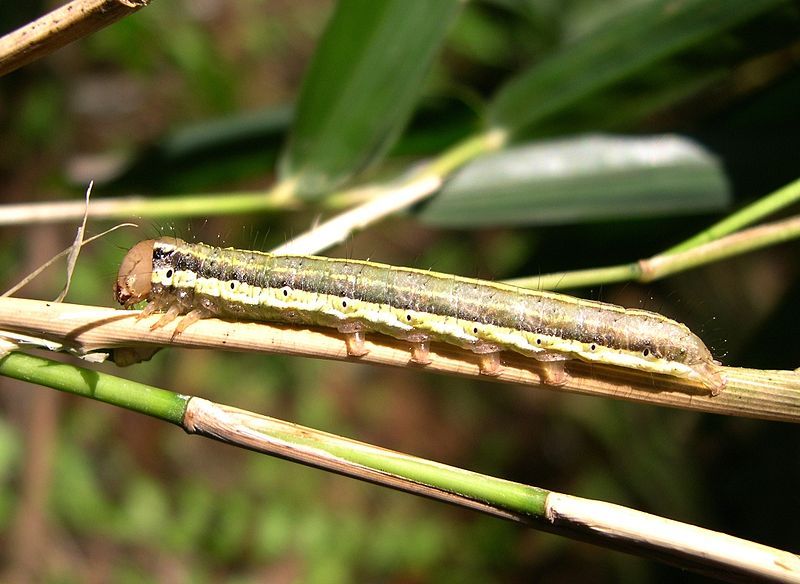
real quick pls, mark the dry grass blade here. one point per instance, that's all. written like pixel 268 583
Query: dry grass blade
pixel 75 250
pixel 58 256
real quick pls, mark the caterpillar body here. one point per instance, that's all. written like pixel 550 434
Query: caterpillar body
pixel 414 305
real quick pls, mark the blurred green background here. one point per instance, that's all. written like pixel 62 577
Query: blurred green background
pixel 187 97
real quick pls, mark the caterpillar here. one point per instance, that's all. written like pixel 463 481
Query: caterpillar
pixel 414 305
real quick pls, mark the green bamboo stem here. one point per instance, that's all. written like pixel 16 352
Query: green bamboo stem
pixel 745 241
pixel 277 199
pixel 466 150
pixel 690 254
pixel 491 495
pixel 137 397
pixel 511 500
pixel 609 525
pixel 772 203
pixel 281 197
pixel 579 278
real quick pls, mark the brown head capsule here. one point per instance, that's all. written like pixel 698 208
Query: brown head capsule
pixel 133 281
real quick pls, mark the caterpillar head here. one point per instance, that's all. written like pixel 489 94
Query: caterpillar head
pixel 133 281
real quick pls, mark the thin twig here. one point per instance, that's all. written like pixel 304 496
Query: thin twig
pixel 339 228
pixel 60 27
pixel 145 207
pixel 772 395
pixel 744 241
pixel 669 262
pixel 393 198
pixel 780 199
pixel 381 200
pixel 58 256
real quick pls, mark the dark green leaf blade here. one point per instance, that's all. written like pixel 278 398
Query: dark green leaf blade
pixel 361 87
pixel 589 178
pixel 637 38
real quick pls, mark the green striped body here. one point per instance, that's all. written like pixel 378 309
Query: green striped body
pixel 418 305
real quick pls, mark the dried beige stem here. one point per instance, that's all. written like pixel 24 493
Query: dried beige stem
pixel 752 393
pixel 703 550
pixel 393 198
pixel 339 228
pixel 59 28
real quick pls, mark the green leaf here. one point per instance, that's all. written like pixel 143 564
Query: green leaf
pixel 588 178
pixel 362 84
pixel 637 38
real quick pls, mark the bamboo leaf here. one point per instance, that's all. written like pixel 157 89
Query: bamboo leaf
pixel 637 38
pixel 361 87
pixel 588 178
